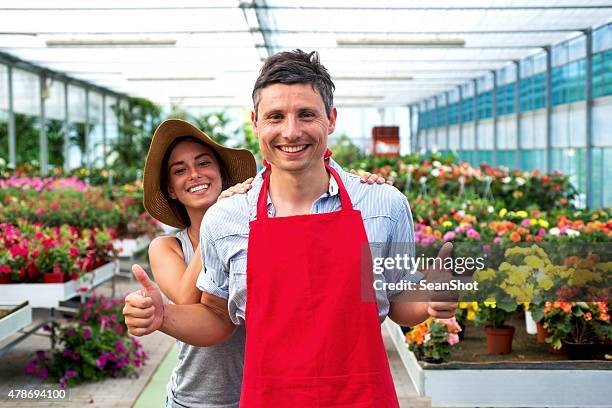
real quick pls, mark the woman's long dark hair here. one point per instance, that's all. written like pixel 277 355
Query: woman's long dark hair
pixel 175 205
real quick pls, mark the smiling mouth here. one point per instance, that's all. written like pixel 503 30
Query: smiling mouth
pixel 199 188
pixel 292 149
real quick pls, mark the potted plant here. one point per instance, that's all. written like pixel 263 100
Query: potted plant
pixel 577 326
pixel 432 340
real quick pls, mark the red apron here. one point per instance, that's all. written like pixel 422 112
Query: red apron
pixel 312 341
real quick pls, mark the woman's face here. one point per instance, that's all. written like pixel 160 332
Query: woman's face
pixel 194 175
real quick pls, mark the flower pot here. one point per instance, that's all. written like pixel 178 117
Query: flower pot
pixel 580 351
pixel 4 278
pixel 542 332
pixel 499 340
pixel 54 277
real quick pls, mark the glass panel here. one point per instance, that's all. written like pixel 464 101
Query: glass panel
pixel 76 127
pixel 4 114
pixel 26 92
pixel 602 112
pixel 96 136
pixel 112 130
pixel 54 121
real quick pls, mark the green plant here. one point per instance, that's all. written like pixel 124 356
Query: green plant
pixel 433 339
pixel 576 322
pixel 91 347
pixel 346 152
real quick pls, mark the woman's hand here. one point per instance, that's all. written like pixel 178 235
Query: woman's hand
pixel 240 188
pixel 371 178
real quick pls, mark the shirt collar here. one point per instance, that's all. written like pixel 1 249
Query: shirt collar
pixel 332 190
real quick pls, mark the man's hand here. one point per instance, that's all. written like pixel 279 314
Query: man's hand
pixel 442 309
pixel 239 188
pixel 144 308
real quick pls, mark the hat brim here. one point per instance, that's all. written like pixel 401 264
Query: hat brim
pixel 239 164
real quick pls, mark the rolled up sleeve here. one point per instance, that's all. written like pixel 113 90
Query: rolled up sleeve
pixel 213 278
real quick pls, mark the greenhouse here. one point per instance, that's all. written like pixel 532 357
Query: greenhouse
pixel 161 162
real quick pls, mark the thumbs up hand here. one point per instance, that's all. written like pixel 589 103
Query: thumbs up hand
pixel 144 308
pixel 442 305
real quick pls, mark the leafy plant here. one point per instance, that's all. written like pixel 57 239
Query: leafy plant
pixel 91 347
pixel 433 339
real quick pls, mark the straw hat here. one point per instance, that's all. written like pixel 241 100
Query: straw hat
pixel 239 163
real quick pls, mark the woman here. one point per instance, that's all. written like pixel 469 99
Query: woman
pixel 184 175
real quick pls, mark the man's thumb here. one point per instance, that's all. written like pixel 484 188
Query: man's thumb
pixel 142 277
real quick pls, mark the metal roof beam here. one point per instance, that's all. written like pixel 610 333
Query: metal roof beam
pixel 281 31
pixel 263 6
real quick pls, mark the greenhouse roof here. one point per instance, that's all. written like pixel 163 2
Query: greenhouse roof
pixel 208 53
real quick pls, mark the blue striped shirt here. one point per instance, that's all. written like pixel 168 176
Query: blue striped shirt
pixel 225 233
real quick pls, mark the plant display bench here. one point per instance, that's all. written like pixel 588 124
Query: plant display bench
pixel 129 248
pixel 48 295
pixel 561 383
pixel 13 317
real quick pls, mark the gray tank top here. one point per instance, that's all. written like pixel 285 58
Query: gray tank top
pixel 209 377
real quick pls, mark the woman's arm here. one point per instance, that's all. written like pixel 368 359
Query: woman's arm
pixel 176 280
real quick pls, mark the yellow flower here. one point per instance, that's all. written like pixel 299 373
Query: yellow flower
pixel 543 223
pixel 517 194
pixel 534 221
pixel 471 315
pixel 492 304
pixel 447 224
pixel 484 275
pixel 582 276
pixel 534 262
pixel 522 214
pixel 502 212
pixel 545 283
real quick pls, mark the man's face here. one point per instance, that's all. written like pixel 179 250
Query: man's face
pixel 292 126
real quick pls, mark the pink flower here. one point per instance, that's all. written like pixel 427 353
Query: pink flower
pixel 427 337
pixel 496 240
pixel 449 236
pixel 541 232
pixel 473 234
pixel 39 212
pixel 526 222
pixel 73 251
pixel 453 338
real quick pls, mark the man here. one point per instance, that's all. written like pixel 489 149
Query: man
pixel 313 338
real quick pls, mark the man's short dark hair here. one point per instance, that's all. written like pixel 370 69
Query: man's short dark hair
pixel 296 67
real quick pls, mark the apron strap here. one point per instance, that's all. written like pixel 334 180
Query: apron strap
pixel 262 201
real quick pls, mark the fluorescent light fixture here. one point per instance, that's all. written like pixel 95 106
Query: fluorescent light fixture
pixel 401 43
pixel 369 97
pixel 202 97
pixel 107 43
pixel 373 78
pixel 209 78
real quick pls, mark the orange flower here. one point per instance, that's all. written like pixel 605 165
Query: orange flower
pixel 437 234
pixel 515 237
